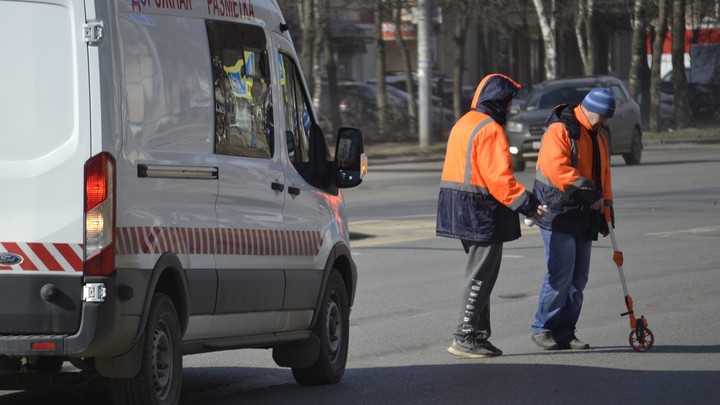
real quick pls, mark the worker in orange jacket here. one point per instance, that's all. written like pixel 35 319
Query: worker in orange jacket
pixel 479 203
pixel 573 180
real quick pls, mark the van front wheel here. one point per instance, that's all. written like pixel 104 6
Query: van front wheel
pixel 160 377
pixel 332 328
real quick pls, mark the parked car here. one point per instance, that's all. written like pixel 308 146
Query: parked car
pixel 358 108
pixel 525 129
pixel 703 103
pixel 441 87
pixel 519 100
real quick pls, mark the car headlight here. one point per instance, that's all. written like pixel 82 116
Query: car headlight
pixel 514 126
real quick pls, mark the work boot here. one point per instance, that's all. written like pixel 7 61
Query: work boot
pixel 545 340
pixel 469 348
pixel 575 344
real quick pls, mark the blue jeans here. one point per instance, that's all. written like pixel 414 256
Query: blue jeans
pixel 561 297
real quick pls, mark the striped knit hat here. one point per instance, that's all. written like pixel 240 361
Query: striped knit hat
pixel 600 100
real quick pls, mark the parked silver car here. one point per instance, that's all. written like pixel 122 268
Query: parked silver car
pixel 525 129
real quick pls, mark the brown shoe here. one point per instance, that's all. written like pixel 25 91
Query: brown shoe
pixel 575 344
pixel 545 341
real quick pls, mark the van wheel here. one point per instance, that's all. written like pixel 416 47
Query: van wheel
pixel 160 377
pixel 333 330
pixel 635 154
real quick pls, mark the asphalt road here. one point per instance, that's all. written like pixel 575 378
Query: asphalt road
pixel 668 226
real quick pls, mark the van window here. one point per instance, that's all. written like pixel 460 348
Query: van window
pixel 297 116
pixel 241 81
pixel 168 92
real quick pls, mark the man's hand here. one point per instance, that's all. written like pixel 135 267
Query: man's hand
pixel 540 212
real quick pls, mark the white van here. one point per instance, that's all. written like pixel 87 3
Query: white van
pixel 168 192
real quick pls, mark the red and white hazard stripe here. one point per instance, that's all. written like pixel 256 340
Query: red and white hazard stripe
pixel 223 241
pixel 59 257
pixel 139 240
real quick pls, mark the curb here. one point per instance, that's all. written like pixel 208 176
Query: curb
pixel 437 152
pixel 676 141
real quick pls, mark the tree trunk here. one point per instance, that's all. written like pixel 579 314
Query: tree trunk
pixel 584 33
pixel 547 28
pixel 678 63
pixel 639 70
pixel 467 11
pixel 660 33
pixel 380 71
pixel 317 69
pixel 307 16
pixel 407 62
pixel 330 63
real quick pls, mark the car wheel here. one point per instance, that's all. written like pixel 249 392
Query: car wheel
pixel 332 328
pixel 160 378
pixel 635 154
pixel 518 163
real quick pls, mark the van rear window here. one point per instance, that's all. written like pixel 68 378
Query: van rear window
pixel 39 105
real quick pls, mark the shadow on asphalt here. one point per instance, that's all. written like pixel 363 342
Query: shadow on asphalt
pixel 464 381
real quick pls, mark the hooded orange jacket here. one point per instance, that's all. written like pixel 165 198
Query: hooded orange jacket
pixel 567 187
pixel 479 195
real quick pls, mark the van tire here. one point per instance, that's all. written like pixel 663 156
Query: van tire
pixel 160 378
pixel 333 330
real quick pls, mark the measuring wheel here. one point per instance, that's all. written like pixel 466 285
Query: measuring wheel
pixel 641 339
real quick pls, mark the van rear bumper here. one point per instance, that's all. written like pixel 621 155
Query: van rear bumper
pixel 52 345
pixel 107 328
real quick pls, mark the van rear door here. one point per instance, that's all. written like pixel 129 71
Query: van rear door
pixel 45 141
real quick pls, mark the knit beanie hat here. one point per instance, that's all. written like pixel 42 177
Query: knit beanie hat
pixel 600 100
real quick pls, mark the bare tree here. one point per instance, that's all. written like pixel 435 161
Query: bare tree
pixel 462 13
pixel 584 33
pixel 678 63
pixel 660 33
pixel 639 85
pixel 306 10
pixel 547 28
pixel 325 42
pixel 399 7
pixel 379 11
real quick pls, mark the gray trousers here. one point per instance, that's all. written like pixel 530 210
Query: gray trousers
pixel 481 272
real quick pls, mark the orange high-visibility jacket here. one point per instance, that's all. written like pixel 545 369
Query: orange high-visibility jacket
pixel 479 195
pixel 568 187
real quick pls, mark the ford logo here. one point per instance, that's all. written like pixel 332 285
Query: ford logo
pixel 10 259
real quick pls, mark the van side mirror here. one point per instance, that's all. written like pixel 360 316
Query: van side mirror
pixel 350 159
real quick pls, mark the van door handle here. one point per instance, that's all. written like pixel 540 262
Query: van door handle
pixel 294 190
pixel 277 186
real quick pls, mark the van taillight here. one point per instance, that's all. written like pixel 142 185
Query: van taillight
pixel 99 215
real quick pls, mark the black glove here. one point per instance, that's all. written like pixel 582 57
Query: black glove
pixel 603 225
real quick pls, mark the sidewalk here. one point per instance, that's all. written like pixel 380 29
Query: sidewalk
pixel 388 153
